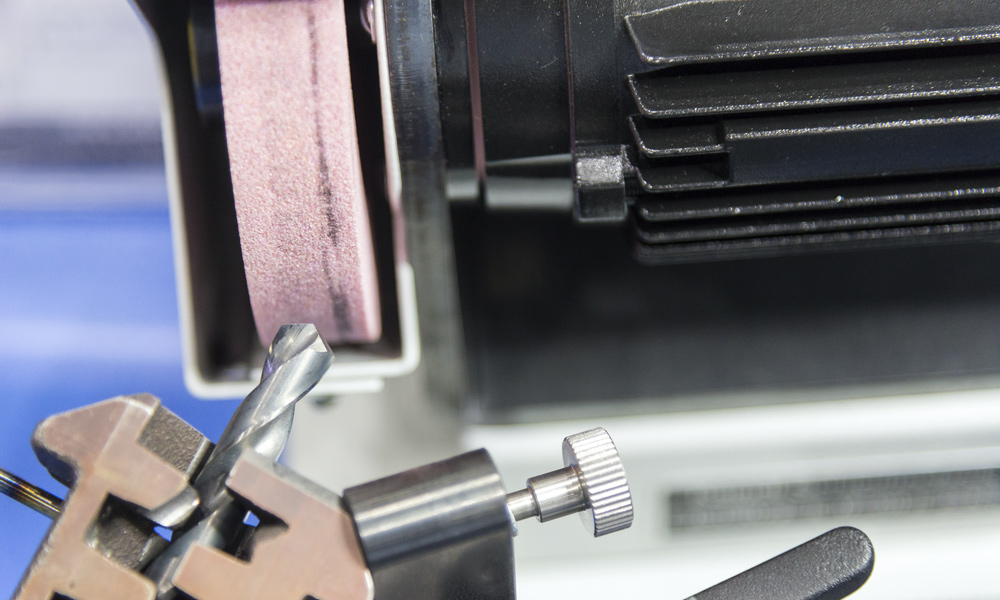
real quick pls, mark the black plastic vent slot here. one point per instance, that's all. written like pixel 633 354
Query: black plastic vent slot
pixel 714 30
pixel 819 222
pixel 860 195
pixel 774 221
pixel 867 123
pixel 664 95
pixel 827 146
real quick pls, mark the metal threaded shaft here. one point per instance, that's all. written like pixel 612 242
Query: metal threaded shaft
pixel 297 359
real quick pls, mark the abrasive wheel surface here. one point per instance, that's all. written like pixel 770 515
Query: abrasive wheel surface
pixel 296 170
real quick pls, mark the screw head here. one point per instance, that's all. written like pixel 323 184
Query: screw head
pixel 609 501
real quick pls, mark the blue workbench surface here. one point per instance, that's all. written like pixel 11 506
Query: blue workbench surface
pixel 88 311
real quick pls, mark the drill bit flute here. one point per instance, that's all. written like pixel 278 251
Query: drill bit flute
pixel 297 359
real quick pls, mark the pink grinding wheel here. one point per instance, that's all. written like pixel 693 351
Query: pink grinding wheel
pixel 296 170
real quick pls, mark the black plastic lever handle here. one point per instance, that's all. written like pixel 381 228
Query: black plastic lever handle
pixel 829 567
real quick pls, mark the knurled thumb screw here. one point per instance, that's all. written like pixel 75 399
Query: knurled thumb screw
pixel 592 483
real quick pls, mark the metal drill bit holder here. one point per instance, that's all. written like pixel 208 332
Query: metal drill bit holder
pixel 440 531
pixel 444 530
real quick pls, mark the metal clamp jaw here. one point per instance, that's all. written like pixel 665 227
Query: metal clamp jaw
pixel 441 531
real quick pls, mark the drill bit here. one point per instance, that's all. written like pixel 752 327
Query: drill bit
pixel 297 359
pixel 29 495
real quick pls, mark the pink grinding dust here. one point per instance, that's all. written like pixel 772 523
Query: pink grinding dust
pixel 293 154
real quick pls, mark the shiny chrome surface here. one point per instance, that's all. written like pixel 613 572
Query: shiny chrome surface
pixel 602 476
pixel 428 507
pixel 557 494
pixel 521 505
pixel 437 531
pixel 593 483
